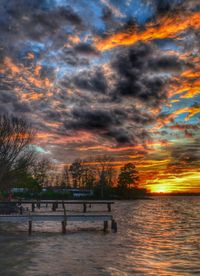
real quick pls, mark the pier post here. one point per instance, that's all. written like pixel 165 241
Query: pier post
pixel 33 207
pixel 30 227
pixel 114 226
pixel 84 207
pixel 105 226
pixel 54 207
pixel 38 204
pixel 21 210
pixel 64 223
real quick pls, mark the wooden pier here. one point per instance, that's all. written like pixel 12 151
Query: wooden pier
pixel 55 203
pixel 64 218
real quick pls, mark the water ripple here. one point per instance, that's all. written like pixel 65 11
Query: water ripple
pixel 155 237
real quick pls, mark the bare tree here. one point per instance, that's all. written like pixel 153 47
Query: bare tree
pixel 16 135
pixel 88 176
pixel 66 177
pixel 105 171
pixel 41 169
pixel 76 170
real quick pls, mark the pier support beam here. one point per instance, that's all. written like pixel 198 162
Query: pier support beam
pixel 84 208
pixel 38 204
pixel 30 227
pixel 63 223
pixel 33 207
pixel 109 207
pixel 105 226
pixel 54 207
pixel 114 226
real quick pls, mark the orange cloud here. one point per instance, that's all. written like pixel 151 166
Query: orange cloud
pixel 74 39
pixel 30 56
pixel 183 127
pixel 191 110
pixel 37 70
pixel 165 27
pixel 189 88
pixel 190 74
pixel 28 80
pixel 11 66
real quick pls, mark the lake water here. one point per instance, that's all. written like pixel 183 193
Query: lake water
pixel 155 237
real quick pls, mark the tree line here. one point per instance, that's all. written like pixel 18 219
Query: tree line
pixel 22 166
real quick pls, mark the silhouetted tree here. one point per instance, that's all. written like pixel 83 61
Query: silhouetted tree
pixel 105 172
pixel 16 154
pixel 66 177
pixel 40 170
pixel 88 176
pixel 76 170
pixel 128 177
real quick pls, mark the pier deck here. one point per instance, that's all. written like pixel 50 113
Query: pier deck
pixel 56 203
pixel 33 216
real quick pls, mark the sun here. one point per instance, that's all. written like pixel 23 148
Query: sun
pixel 160 189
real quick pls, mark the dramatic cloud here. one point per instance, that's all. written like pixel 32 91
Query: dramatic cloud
pixel 166 27
pixel 97 77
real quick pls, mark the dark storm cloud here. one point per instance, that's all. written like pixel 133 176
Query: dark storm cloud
pixel 172 6
pixel 93 80
pixel 125 136
pixel 39 12
pixel 52 115
pixel 118 125
pixel 48 22
pixel 35 20
pixel 6 97
pixel 107 14
pixel 85 49
pixel 92 119
pixel 165 6
pixel 137 68
pixel 20 107
pixel 10 103
pixel 47 72
pixel 71 57
pixel 166 63
pixel 140 118
pixel 121 135
pixel 136 73
pixel 184 156
pixel 106 123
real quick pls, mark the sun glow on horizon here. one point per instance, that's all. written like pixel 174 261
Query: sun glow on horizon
pixel 187 182
pixel 160 189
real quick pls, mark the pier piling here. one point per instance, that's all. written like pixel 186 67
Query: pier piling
pixel 109 207
pixel 84 208
pixel 64 223
pixel 105 226
pixel 30 227
pixel 114 226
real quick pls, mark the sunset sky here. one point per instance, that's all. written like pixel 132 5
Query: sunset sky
pixel 112 77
